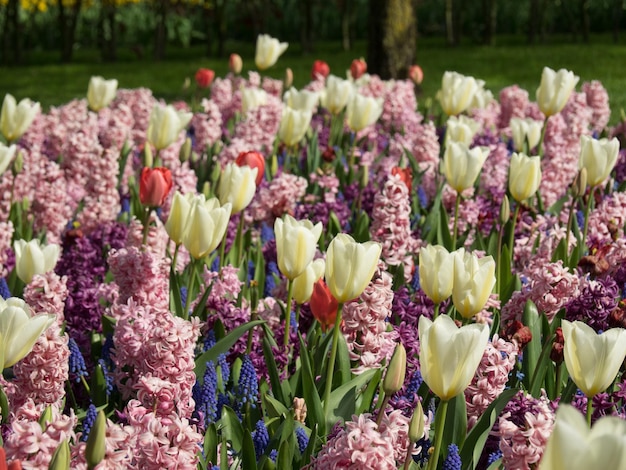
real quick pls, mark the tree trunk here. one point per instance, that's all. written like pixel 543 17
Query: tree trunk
pixel 457 22
pixel 490 12
pixel 533 27
pixel 160 34
pixel 108 33
pixel 11 36
pixel 220 27
pixel 617 16
pixel 347 20
pixel 392 38
pixel 68 20
pixel 449 22
pixel 208 29
pixel 584 12
pixel 306 26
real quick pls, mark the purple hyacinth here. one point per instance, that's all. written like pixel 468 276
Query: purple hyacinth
pixel 595 303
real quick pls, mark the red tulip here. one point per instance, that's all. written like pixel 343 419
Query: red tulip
pixel 405 175
pixel 154 186
pixel 320 68
pixel 416 74
pixel 253 159
pixel 204 78
pixel 4 465
pixel 323 305
pixel 358 68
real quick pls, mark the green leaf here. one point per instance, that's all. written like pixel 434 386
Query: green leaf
pixel 232 430
pixel 98 388
pixel 456 422
pixel 343 361
pixel 210 444
pixel 248 454
pixel 530 318
pixel 443 231
pixel 344 399
pixel 311 396
pixel 222 346
pixel 272 371
pixel 176 303
pixel 361 231
pixel 274 407
pixel 4 405
pixel 475 441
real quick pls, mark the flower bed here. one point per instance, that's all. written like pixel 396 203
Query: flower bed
pixel 324 278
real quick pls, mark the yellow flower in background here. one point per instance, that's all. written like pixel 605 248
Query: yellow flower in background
pixel 268 50
pixel 337 93
pixel 293 125
pixel 461 165
pixel 457 92
pixel 100 92
pixel 363 111
pixel 166 124
pixel 461 129
pixel 16 118
pixel 523 130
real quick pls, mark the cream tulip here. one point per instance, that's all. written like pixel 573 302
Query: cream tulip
pixel 598 157
pixel 554 90
pixel 303 284
pixel 592 360
pixel 296 241
pixel 350 266
pixel 457 92
pixel 31 258
pixel 177 219
pixel 166 124
pixel 524 176
pixel 461 165
pixel 436 270
pixel 461 129
pixel 237 186
pixel 252 98
pixel 100 92
pixel 525 130
pixel 474 279
pixel 449 355
pixel 6 156
pixel 303 100
pixel 19 330
pixel 268 50
pixel 206 225
pixel 16 118
pixel 573 446
pixel 337 93
pixel 293 126
pixel 482 97
pixel 363 111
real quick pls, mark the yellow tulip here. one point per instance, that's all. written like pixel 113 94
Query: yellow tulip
pixel 337 93
pixel 165 125
pixel 177 219
pixel 592 360
pixel 16 118
pixel 457 92
pixel 523 130
pixel 268 50
pixel 293 125
pixel 303 284
pixel 237 186
pixel 350 266
pixel 554 90
pixel 31 258
pixel 303 100
pixel 296 241
pixel 6 156
pixel 252 98
pixel 449 355
pixel 19 330
pixel 598 157
pixel 206 225
pixel 524 176
pixel 474 279
pixel 461 165
pixel 363 111
pixel 100 92
pixel 573 446
pixel 436 269
pixel 461 129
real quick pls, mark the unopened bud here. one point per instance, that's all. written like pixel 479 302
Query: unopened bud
pixel 148 159
pixel 299 409
pixel 396 370
pixel 235 63
pixel 185 151
pixel 364 176
pixel 206 189
pixel 505 210
pixel 274 166
pixel 579 186
pixel 416 426
pixel 45 418
pixel 96 443
pixel 61 457
pixel 18 163
pixel 288 78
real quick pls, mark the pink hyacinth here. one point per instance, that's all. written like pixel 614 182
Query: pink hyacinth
pixel 490 378
pixel 598 100
pixel 46 293
pixel 391 225
pixel 207 126
pixel 260 125
pixel 607 220
pixel 6 237
pixel 42 374
pixel 514 103
pixel 277 197
pixel 120 443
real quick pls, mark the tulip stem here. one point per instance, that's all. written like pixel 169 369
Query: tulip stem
pixel 240 237
pixel 381 410
pixel 222 251
pixel 570 220
pixel 409 456
pixel 543 135
pixel 288 312
pixel 175 259
pixel 457 203
pixel 333 355
pixel 589 410
pixel 190 287
pixel 146 228
pixel 512 234
pixel 439 425
pixel 587 210
pixel 499 257
pixel 436 311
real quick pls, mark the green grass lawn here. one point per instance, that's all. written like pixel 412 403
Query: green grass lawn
pixel 510 61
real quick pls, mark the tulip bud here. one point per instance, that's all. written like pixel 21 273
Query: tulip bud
pixel 177 219
pixel 61 457
pixel 148 158
pixel 337 94
pixel 235 64
pixel 185 151
pixel 154 186
pixel 18 164
pixel 358 68
pixel 364 176
pixel 206 226
pixel 416 426
pixel 350 266
pixel 237 186
pixel 525 131
pixel 299 409
pixel 457 92
pixel 301 100
pixel 45 418
pixel 474 279
pixel 296 241
pixel 166 123
pixel 416 74
pixel 268 50
pixel 253 159
pixel 461 129
pixel 288 80
pixel 436 270
pixel 505 210
pixel 274 165
pixel 293 126
pixel 204 77
pixel 554 90
pixel 461 165
pixel 598 157
pixel 96 442
pixel 579 186
pixel 323 305
pixel 556 354
pixel 396 371
pixel 16 118
pixel 320 70
pixel 524 176
pixel 363 111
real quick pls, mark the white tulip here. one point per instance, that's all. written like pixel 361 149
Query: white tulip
pixel 268 50
pixel 100 92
